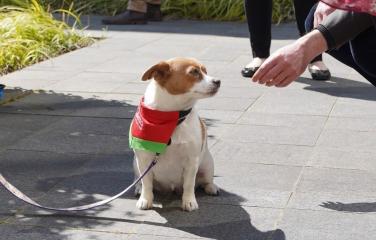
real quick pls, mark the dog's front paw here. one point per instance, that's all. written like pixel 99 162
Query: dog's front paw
pixel 137 190
pixel 144 203
pixel 189 204
pixel 211 189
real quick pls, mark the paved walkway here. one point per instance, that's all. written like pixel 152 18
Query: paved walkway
pixel 294 164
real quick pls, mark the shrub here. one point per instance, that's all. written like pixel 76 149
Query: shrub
pixel 30 34
pixel 223 10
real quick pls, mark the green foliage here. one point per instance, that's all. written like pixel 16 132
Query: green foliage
pixel 30 34
pixel 222 10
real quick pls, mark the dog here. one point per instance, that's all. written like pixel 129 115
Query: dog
pixel 184 161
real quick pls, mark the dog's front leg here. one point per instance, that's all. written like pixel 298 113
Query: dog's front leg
pixel 146 198
pixel 189 199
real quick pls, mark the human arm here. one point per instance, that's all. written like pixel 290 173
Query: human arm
pixel 286 64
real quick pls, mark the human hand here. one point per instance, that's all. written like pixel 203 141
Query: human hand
pixel 322 11
pixel 282 67
pixel 287 63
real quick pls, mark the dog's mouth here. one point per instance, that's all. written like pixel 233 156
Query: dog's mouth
pixel 209 93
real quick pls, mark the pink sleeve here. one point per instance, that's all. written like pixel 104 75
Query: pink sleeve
pixel 368 6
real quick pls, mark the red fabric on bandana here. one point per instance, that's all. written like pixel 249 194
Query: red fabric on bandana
pixel 153 125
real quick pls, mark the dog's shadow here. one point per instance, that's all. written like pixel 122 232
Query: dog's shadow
pixel 215 218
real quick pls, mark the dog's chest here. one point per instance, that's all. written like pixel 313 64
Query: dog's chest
pixel 184 151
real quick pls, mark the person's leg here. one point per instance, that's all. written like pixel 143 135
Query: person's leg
pixel 135 14
pixel 345 55
pixel 363 49
pixel 357 53
pixel 137 6
pixel 138 12
pixel 154 10
pixel 304 11
pixel 155 2
pixel 259 18
pixel 317 67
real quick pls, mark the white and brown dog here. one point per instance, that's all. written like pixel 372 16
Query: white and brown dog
pixel 185 162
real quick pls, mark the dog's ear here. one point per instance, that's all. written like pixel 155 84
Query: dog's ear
pixel 159 72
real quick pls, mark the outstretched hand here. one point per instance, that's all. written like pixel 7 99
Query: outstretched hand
pixel 286 64
pixel 282 67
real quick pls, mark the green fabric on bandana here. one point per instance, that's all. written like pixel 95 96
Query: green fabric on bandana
pixel 141 144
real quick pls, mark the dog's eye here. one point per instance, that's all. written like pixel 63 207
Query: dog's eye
pixel 195 72
pixel 204 69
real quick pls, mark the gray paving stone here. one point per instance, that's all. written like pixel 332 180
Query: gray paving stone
pixel 347 139
pixel 131 88
pixel 35 80
pixel 139 64
pixel 60 141
pixel 47 103
pixel 227 53
pixel 342 158
pixel 284 120
pixel 219 116
pixel 74 60
pixel 16 232
pixel 226 151
pixel 256 176
pixel 216 222
pixel 9 206
pixel 164 49
pixel 285 101
pixel 101 177
pixel 36 172
pixel 351 123
pixel 26 121
pixel 216 103
pixel 354 108
pixel 363 202
pixel 272 134
pixel 239 92
pixel 315 225
pixel 77 126
pixel 336 180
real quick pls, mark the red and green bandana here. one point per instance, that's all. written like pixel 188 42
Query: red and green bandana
pixel 151 130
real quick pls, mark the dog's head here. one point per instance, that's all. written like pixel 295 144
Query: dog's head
pixel 183 76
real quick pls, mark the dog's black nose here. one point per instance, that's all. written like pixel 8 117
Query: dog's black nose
pixel 217 82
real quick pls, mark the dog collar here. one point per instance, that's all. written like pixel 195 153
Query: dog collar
pixel 151 129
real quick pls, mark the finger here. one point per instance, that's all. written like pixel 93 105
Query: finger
pixel 272 74
pixel 279 78
pixel 319 20
pixel 315 21
pixel 264 68
pixel 289 79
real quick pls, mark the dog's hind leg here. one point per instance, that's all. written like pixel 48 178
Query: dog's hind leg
pixel 205 174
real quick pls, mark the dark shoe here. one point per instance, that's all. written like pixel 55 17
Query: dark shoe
pixel 154 12
pixel 318 74
pixel 128 17
pixel 249 72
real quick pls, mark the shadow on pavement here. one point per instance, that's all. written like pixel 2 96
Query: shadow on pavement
pixel 341 87
pixel 350 207
pixel 65 150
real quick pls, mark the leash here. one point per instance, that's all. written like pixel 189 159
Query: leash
pixel 23 197
pixel 17 193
